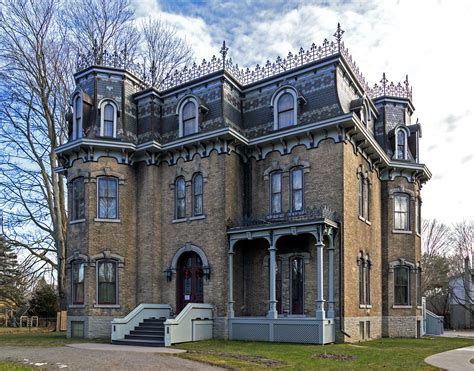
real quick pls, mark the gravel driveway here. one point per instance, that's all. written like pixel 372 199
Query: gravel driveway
pixel 68 358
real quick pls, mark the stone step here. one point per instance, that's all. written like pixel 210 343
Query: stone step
pixel 145 337
pixel 145 331
pixel 141 343
pixel 151 324
pixel 160 320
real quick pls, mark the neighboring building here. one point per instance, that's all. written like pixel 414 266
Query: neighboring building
pixel 287 196
pixel 461 298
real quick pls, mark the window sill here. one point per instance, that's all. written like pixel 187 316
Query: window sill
pixel 419 307
pixel 401 231
pixel 361 218
pixel 76 306
pixel 179 220
pixel 365 306
pixel 105 306
pixel 402 307
pixel 197 217
pixel 106 220
pixel 77 221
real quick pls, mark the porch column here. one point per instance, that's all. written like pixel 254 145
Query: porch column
pixel 272 311
pixel 320 314
pixel 230 308
pixel 331 273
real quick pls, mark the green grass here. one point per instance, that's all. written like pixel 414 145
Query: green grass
pixel 41 339
pixel 391 354
pixel 12 366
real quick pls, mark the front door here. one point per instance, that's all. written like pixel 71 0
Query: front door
pixel 189 280
pixel 297 285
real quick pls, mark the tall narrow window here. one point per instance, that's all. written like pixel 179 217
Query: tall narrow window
pixel 78 200
pixel 107 282
pixel 418 215
pixel 108 120
pixel 197 195
pixel 78 282
pixel 275 193
pixel 368 266
pixel 402 285
pixel 286 110
pixel 297 285
pixel 189 118
pixel 366 197
pixel 180 189
pixel 297 189
pixel 401 144
pixel 361 195
pixel 418 287
pixel 401 212
pixel 77 117
pixel 361 281
pixel 107 198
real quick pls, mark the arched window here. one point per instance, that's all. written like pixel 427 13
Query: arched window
pixel 401 210
pixel 198 195
pixel 78 199
pixel 188 117
pixel 180 191
pixel 77 282
pixel 401 285
pixel 108 119
pixel 364 197
pixel 286 110
pixel 107 199
pixel 77 117
pixel 401 152
pixel 296 187
pixel 107 282
pixel 275 193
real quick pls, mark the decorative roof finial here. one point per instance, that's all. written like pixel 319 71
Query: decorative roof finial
pixel 223 52
pixel 384 82
pixel 338 35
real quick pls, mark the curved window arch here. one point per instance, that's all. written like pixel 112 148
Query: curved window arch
pixel 284 104
pixel 180 198
pixel 77 282
pixel 401 210
pixel 297 189
pixel 188 111
pixel 77 117
pixel 107 288
pixel 108 118
pixel 401 148
pixel 401 284
pixel 198 195
pixel 276 192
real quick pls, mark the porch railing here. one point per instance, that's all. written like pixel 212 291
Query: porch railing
pixel 192 324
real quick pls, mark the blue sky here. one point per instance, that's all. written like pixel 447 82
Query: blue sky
pixel 430 40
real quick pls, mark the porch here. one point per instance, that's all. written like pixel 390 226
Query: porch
pixel 282 282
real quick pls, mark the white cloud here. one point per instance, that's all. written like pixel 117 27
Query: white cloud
pixel 428 40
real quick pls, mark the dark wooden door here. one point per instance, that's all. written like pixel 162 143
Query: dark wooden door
pixel 297 285
pixel 190 281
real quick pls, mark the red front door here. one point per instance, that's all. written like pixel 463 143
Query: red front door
pixel 189 280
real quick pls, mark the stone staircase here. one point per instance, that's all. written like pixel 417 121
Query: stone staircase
pixel 149 333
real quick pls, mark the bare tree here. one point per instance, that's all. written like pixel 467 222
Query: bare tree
pixel 35 80
pixel 163 50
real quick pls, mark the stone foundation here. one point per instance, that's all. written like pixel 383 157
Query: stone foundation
pixel 400 327
pixel 94 326
pixel 371 329
pixel 220 328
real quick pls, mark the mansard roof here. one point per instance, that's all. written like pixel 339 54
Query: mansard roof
pixel 222 65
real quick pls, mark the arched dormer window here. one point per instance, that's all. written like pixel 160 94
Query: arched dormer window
pixel 188 112
pixel 108 118
pixel 77 116
pixel 284 104
pixel 401 148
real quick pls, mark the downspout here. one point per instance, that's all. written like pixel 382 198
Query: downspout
pixel 341 257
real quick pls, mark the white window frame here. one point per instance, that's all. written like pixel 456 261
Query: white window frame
pixel 102 105
pixel 405 148
pixel 77 131
pixel 274 103
pixel 181 105
pixel 406 196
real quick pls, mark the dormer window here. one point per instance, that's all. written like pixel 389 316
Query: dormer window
pixel 188 112
pixel 77 117
pixel 401 151
pixel 108 119
pixel 284 104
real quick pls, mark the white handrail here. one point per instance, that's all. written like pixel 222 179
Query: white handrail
pixel 122 326
pixel 193 322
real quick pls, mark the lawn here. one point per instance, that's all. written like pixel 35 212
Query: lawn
pixel 390 354
pixel 38 338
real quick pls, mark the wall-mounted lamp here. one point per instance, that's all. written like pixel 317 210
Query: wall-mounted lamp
pixel 207 272
pixel 169 274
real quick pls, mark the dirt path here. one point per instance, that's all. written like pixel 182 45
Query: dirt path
pixel 68 358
